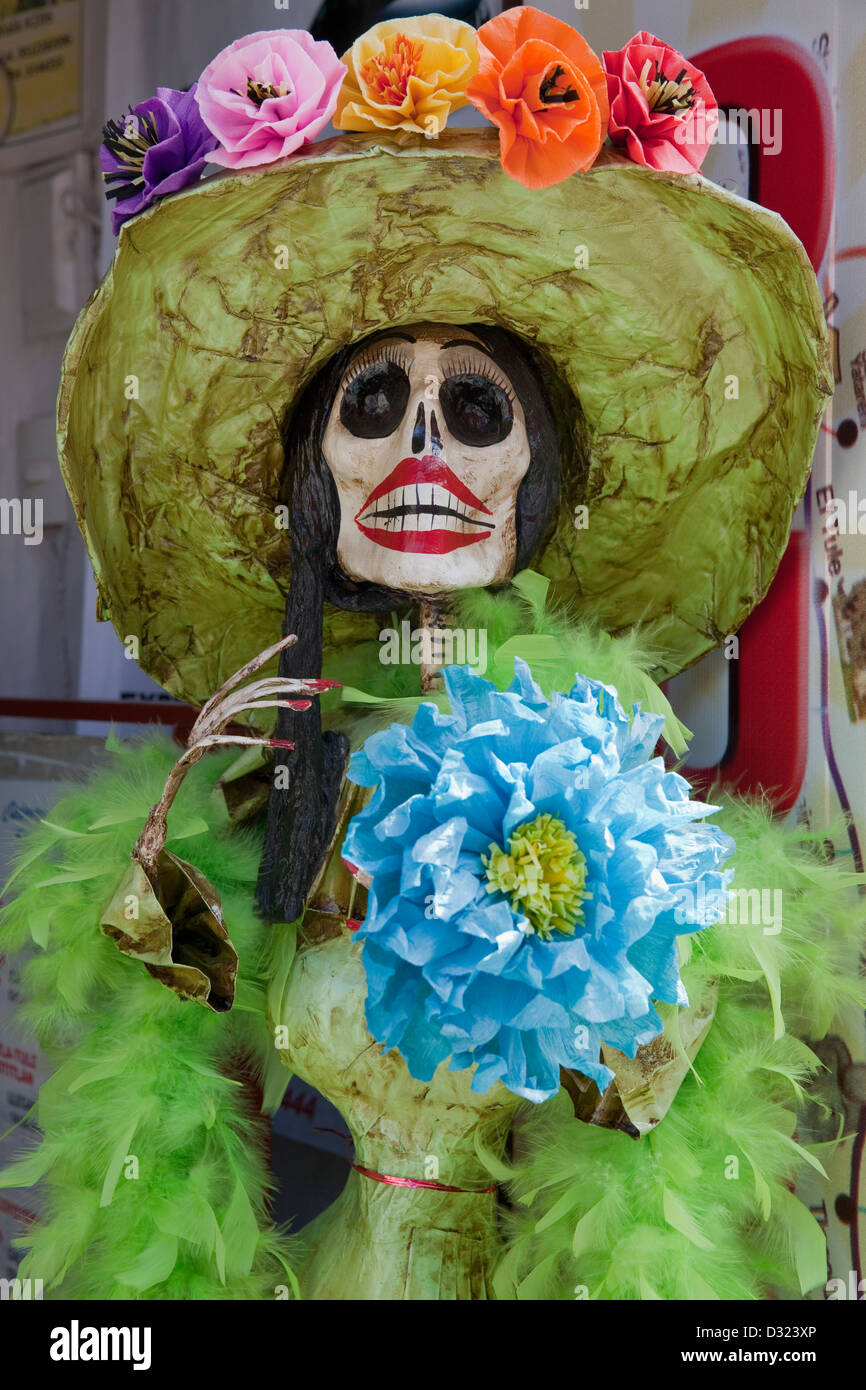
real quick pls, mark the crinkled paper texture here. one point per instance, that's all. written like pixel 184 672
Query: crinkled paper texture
pixel 175 930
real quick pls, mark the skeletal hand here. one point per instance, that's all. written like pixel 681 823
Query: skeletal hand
pixel 207 732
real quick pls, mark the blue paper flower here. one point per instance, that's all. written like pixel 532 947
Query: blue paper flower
pixel 530 861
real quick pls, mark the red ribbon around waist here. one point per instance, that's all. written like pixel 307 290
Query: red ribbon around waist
pixel 419 1182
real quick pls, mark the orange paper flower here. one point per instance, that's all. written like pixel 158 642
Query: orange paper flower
pixel 407 74
pixel 545 89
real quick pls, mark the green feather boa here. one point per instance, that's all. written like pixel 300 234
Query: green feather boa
pixel 700 1208
pixel 153 1162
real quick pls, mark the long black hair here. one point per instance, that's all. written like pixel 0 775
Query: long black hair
pixel 302 816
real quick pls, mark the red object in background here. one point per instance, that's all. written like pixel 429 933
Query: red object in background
pixel 768 716
pixel 181 717
pixel 767 73
pixel 768 708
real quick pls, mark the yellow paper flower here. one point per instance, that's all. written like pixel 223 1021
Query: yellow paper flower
pixel 407 74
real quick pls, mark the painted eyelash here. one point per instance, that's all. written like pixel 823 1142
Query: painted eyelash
pixel 393 352
pixel 373 356
pixel 478 366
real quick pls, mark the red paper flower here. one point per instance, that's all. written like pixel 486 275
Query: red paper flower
pixel 661 105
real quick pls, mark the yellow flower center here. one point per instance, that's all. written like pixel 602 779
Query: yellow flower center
pixel 543 872
pixel 388 73
pixel 664 94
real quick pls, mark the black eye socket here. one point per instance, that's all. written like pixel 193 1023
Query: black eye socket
pixel 476 410
pixel 375 401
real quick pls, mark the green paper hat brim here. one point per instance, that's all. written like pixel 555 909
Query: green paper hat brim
pixel 693 337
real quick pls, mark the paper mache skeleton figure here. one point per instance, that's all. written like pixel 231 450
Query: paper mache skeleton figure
pixel 476 909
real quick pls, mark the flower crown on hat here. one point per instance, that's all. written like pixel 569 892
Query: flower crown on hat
pixel 552 98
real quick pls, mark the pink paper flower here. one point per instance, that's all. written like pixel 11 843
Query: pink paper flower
pixel 267 94
pixel 661 105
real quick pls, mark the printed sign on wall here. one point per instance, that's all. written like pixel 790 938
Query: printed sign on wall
pixel 40 67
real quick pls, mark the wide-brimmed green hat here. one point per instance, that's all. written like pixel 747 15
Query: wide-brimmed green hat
pixel 686 322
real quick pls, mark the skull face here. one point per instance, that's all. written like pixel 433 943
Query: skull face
pixel 427 445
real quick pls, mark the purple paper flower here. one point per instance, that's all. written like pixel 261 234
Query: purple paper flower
pixel 267 94
pixel 160 146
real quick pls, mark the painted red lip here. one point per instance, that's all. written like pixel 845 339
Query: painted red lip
pixel 414 472
pixel 429 469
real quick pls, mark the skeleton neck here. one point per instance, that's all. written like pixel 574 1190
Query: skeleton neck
pixel 432 617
